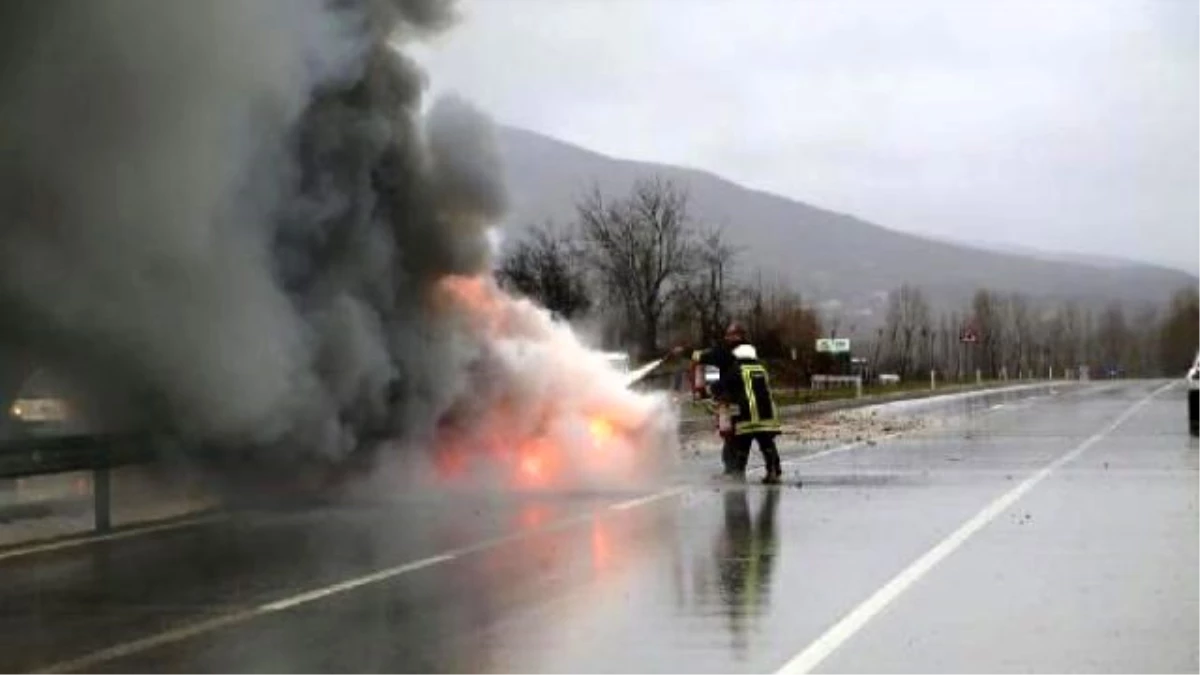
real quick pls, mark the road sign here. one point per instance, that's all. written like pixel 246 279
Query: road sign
pixel 833 345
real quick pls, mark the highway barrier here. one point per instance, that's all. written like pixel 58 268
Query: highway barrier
pixel 98 454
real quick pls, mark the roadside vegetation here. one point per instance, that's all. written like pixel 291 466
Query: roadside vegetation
pixel 643 276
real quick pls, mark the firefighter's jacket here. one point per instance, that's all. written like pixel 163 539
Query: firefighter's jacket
pixel 745 384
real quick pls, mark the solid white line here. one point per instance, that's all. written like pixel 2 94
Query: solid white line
pixel 114 536
pixel 89 662
pixel 634 503
pixel 351 584
pixel 843 630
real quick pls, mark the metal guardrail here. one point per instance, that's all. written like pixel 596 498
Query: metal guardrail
pixel 60 454
pixel 26 457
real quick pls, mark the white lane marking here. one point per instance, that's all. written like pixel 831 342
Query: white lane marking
pixel 843 630
pixel 114 536
pixel 351 584
pixel 88 662
pixel 634 503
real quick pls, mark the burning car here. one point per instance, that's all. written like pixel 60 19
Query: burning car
pixel 543 411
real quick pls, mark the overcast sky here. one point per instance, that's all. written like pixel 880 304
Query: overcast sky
pixel 1066 125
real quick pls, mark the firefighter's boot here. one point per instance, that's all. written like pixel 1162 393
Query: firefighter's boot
pixel 771 459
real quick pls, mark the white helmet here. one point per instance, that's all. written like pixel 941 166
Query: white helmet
pixel 745 352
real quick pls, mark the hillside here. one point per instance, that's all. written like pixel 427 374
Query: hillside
pixel 832 258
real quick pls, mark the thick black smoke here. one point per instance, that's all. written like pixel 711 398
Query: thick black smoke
pixel 224 218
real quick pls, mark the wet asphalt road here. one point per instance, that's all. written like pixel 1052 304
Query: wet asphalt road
pixel 1047 533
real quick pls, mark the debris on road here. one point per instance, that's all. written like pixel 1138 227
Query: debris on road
pixel 820 432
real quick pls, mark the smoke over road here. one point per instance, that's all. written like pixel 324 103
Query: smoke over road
pixel 228 220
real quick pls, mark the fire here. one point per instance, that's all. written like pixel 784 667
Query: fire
pixel 536 463
pixel 472 291
pixel 485 300
pixel 532 466
pixel 602 432
pixel 540 402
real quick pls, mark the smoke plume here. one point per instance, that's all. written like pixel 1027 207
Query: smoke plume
pixel 228 220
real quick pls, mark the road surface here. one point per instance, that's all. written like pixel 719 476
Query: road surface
pixel 1047 533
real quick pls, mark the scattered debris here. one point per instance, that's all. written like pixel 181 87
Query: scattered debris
pixel 820 432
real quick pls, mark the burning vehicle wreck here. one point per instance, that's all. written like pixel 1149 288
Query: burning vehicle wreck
pixel 545 412
pixel 535 410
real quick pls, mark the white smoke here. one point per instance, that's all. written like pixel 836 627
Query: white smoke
pixel 545 391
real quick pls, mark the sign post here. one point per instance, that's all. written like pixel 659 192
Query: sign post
pixel 968 336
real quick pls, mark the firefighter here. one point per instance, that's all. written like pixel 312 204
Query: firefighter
pixel 721 357
pixel 757 416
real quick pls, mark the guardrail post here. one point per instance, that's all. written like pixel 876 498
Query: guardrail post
pixel 102 493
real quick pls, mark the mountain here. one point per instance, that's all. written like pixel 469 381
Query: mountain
pixel 833 259
pixel 1104 261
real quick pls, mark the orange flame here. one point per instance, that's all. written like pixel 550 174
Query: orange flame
pixel 536 462
pixel 536 432
pixel 602 432
pixel 532 465
pixel 482 297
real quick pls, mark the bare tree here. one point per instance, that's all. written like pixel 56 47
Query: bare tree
pixel 1178 336
pixel 988 323
pixel 1074 335
pixel 544 266
pixel 1112 338
pixel 641 248
pixel 953 349
pixel 1145 359
pixel 710 292
pixel 908 327
pixel 779 322
pixel 1018 331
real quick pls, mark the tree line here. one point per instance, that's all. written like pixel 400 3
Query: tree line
pixel 1007 334
pixel 654 277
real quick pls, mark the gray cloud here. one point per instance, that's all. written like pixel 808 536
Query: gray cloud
pixel 1067 125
